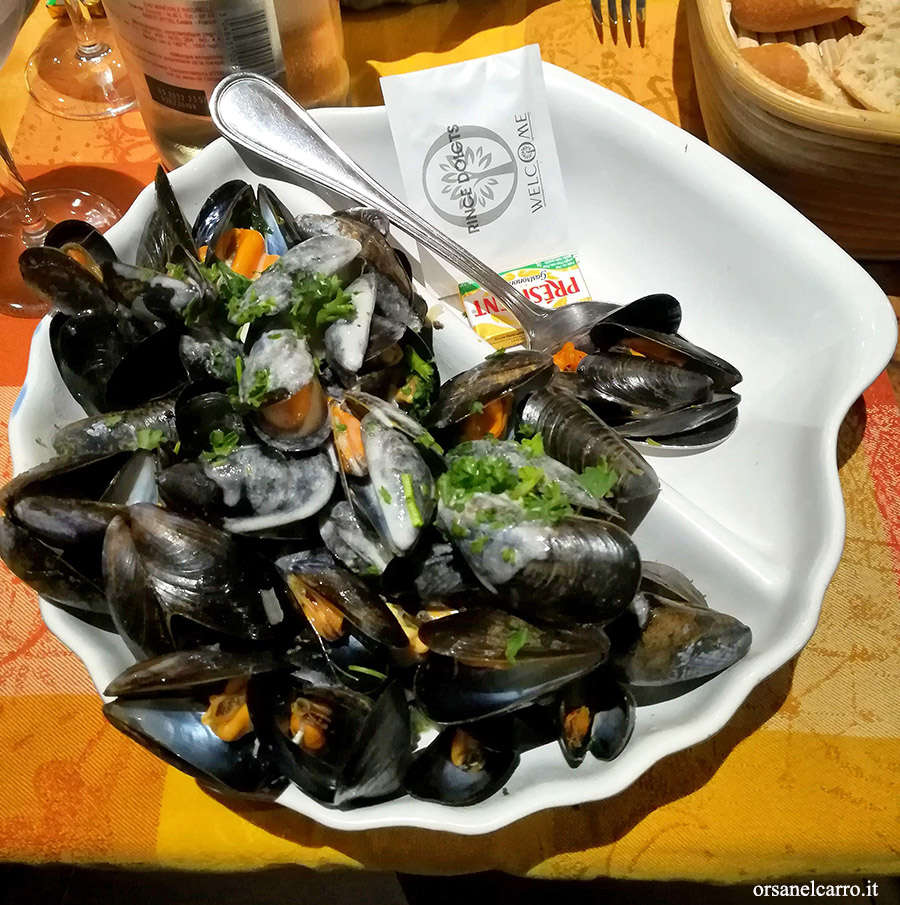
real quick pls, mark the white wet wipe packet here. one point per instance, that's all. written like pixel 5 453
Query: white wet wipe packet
pixel 479 161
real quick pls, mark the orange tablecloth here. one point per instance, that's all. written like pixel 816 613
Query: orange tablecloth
pixel 805 778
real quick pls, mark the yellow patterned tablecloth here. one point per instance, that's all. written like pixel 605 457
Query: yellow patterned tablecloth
pixel 804 779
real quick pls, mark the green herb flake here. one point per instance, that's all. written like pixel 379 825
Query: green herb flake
pixel 509 555
pixel 259 389
pixel 149 439
pixel 112 420
pixel 239 368
pixel 365 670
pixel 498 354
pixel 411 506
pixel 598 480
pixel 651 442
pixel 457 530
pixel 429 442
pixel 385 494
pixel 247 308
pixel 177 447
pixel 515 643
pixel 176 271
pixel 340 427
pixel 221 446
pixel 532 446
pixel 476 408
pixel 317 301
pixel 477 545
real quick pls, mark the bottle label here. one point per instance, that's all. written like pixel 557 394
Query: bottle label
pixel 185 47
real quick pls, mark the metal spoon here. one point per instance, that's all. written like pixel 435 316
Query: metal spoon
pixel 253 112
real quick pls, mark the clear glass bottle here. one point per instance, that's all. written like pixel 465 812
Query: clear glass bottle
pixel 177 51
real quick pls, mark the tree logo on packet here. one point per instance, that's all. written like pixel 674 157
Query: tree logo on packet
pixel 469 176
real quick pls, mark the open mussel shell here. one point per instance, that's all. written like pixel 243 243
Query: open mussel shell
pixel 80 240
pixel 184 669
pixel 207 354
pixel 317 571
pixel 62 282
pixel 403 483
pixel 642 383
pixel 80 477
pixel 44 570
pixel 699 439
pixel 346 341
pixel 574 435
pixel 201 575
pixel 465 764
pixel 659 311
pixel 352 540
pixel 282 231
pixel 116 431
pixel 680 421
pixel 493 378
pixel 165 228
pixel 596 715
pixel 214 215
pixel 492 638
pixel 154 298
pixel 251 489
pixel 679 643
pixel 665 581
pixel 87 349
pixel 171 728
pixel 451 692
pixel 669 348
pixel 201 408
pixel 348 749
pixel 65 523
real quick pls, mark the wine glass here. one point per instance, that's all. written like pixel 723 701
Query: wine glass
pixel 77 73
pixel 27 216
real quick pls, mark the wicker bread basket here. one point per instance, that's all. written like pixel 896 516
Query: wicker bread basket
pixel 839 166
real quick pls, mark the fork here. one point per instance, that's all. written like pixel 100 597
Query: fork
pixel 640 12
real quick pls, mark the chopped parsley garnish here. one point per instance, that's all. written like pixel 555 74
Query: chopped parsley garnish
pixel 456 529
pixel 385 494
pixel 532 446
pixel 241 312
pixel 177 448
pixel 651 442
pixel 111 420
pixel 411 505
pixel 508 554
pixel 317 301
pixel 339 427
pixel 598 480
pixel 477 545
pixel 540 499
pixel 221 446
pixel 176 271
pixel 239 368
pixel 258 389
pixel 498 354
pixel 415 395
pixel 149 439
pixel 429 442
pixel 515 643
pixel 476 408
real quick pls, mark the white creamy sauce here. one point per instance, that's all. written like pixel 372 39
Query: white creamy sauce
pixel 346 341
pixel 285 356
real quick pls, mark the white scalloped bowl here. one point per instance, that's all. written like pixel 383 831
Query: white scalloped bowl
pixel 757 522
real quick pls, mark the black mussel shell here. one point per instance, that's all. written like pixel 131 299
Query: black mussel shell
pixel 87 349
pixel 155 299
pixel 678 422
pixel 201 408
pixel 660 312
pixel 282 232
pixel 117 431
pixel 171 728
pixel 65 523
pixel 213 218
pixel 184 669
pixel 68 233
pixel 665 581
pixel 150 370
pixel 465 764
pixel 450 692
pixel 494 377
pixel 46 571
pixel 133 605
pixel 62 282
pixel 594 714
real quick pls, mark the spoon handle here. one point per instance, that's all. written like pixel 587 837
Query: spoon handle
pixel 253 112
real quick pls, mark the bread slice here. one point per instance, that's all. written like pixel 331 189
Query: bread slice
pixel 769 16
pixel 869 66
pixel 795 70
pixel 871 12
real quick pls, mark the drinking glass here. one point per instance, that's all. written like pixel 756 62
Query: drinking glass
pixel 77 72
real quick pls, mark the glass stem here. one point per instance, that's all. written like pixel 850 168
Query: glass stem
pixel 89 47
pixel 35 224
